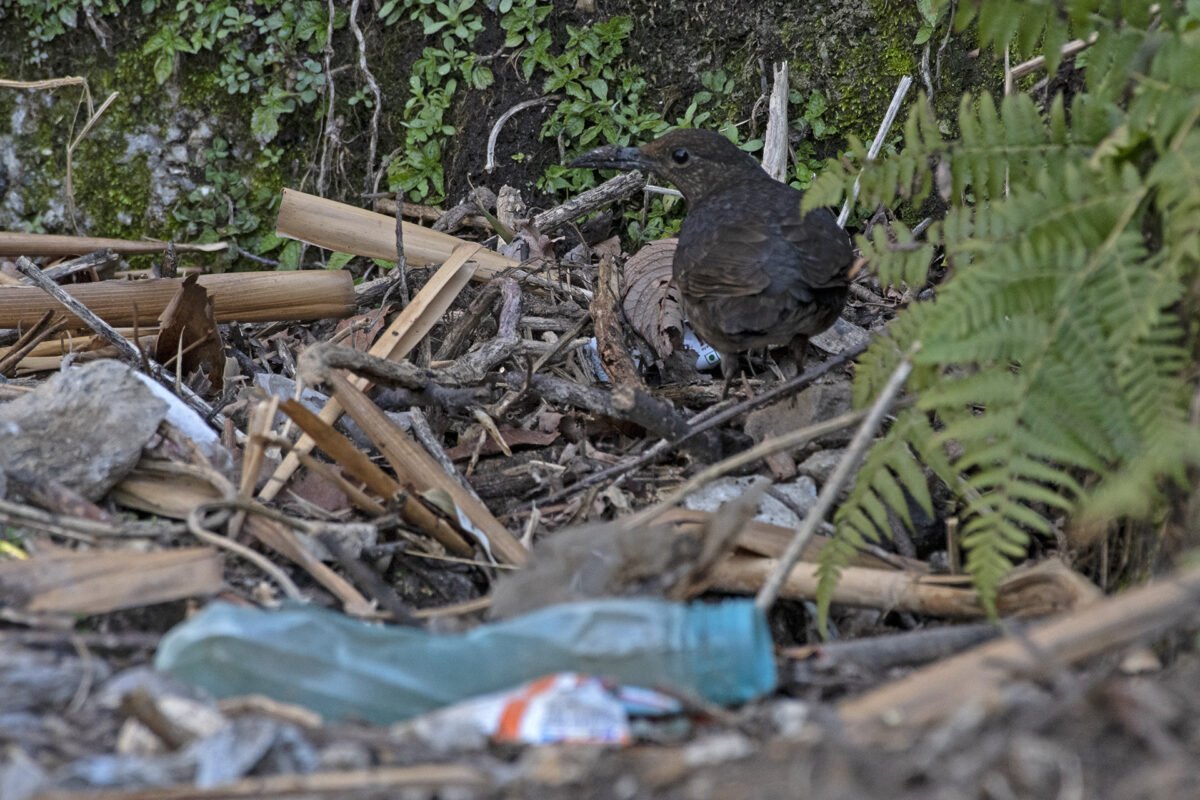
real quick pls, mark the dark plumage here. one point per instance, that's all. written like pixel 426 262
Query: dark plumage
pixel 751 269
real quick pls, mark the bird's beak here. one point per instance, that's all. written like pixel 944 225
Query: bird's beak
pixel 612 157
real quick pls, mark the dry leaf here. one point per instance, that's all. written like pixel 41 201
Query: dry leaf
pixel 364 329
pixel 187 326
pixel 651 301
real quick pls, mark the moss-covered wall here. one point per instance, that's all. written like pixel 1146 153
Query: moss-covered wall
pixel 186 159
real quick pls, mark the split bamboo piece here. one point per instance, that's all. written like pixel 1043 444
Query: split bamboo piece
pixel 1043 589
pixel 63 344
pixel 417 468
pixel 99 581
pixel 416 320
pixel 18 243
pixel 978 680
pixel 356 463
pixel 237 297
pixel 48 355
pixel 173 490
pixel 349 229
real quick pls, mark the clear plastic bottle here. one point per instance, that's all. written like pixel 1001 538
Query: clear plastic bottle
pixel 343 668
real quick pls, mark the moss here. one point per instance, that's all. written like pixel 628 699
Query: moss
pixel 114 197
pixel 850 52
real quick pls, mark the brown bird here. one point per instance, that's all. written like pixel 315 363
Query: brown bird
pixel 752 269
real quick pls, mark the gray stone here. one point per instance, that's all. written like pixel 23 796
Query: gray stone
pixel 84 428
pixel 842 336
pixel 821 464
pixel 816 403
pixel 802 493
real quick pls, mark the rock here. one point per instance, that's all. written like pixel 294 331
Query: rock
pixel 839 338
pixel 821 464
pixel 821 401
pixel 802 492
pixel 84 428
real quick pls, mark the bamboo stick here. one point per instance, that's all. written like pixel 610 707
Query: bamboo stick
pixel 416 468
pixel 980 679
pixel 348 229
pixel 237 297
pixel 1036 591
pixel 19 243
pixel 416 320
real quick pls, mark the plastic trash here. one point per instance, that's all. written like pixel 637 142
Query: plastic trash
pixel 344 668
pixel 566 707
pixel 706 355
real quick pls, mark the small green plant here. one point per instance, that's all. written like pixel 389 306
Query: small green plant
pixel 166 45
pixel 267 55
pixel 264 49
pixel 226 206
pixel 814 128
pixel 435 78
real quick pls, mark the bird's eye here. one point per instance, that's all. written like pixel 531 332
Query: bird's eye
pixel 680 156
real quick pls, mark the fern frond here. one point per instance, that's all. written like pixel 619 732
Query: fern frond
pixel 1056 349
pixel 1176 181
pixel 876 365
pixel 897 255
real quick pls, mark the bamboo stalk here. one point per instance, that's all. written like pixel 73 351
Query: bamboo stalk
pixel 19 243
pixel 237 297
pixel 348 229
pixel 1037 591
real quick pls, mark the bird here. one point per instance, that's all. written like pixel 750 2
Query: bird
pixel 753 270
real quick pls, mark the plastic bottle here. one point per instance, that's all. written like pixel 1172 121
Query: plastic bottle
pixel 344 668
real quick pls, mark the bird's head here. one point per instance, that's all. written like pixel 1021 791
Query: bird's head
pixel 696 161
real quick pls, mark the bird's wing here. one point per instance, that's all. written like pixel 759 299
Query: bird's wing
pixel 820 249
pixel 744 257
pixel 722 260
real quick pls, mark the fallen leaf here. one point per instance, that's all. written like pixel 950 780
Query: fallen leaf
pixel 187 327
pixel 651 302
pixel 364 328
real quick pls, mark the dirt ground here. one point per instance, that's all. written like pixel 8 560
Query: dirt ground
pixel 1098 734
